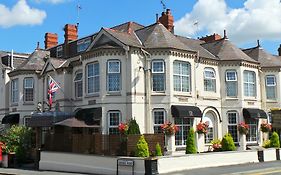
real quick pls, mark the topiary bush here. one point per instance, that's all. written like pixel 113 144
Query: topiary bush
pixel 158 151
pixel 142 148
pixel 190 142
pixel 133 127
pixel 274 140
pixel 227 143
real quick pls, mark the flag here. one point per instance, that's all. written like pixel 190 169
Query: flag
pixel 52 88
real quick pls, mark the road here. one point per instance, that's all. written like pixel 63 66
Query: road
pixel 265 168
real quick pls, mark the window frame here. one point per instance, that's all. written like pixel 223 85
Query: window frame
pixel 229 82
pixel 59 51
pixel 181 75
pixel 212 79
pixel 158 125
pixel 83 42
pixel 250 83
pixel 272 86
pixel 76 85
pixel 163 73
pixel 108 73
pixel 15 99
pixel 233 124
pixel 182 133
pixel 109 126
pixel 96 88
pixel 249 134
pixel 25 88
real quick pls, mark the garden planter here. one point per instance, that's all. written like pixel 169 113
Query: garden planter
pixel 171 147
pixel 242 142
pixel 200 142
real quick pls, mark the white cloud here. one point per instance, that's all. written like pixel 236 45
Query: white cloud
pixel 257 19
pixel 20 14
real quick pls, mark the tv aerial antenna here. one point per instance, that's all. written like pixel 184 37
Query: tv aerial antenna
pixel 163 5
pixel 79 8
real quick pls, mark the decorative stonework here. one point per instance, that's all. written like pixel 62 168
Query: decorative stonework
pixel 208 62
pixel 102 52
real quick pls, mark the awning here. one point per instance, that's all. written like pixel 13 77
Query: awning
pixel 11 119
pixel 91 116
pixel 75 123
pixel 254 113
pixel 48 119
pixel 185 111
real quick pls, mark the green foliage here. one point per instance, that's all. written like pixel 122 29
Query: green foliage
pixel 190 142
pixel 133 127
pixel 158 151
pixel 266 144
pixel 216 144
pixel 228 143
pixel 142 148
pixel 17 139
pixel 274 140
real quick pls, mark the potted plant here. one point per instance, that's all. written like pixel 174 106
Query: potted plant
pixel 266 127
pixel 123 128
pixel 216 145
pixel 243 128
pixel 169 129
pixel 202 127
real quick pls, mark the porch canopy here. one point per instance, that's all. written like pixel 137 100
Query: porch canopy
pixel 11 119
pixel 48 119
pixel 75 123
pixel 254 113
pixel 91 116
pixel 185 111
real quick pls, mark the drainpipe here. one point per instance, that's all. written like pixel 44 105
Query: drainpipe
pixel 195 80
pixel 147 89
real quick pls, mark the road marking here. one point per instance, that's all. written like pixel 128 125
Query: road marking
pixel 257 172
pixel 266 172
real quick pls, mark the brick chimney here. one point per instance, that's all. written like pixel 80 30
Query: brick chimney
pixel 210 38
pixel 51 40
pixel 279 50
pixel 167 20
pixel 70 33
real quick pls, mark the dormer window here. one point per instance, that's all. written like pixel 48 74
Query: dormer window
pixel 83 44
pixel 59 51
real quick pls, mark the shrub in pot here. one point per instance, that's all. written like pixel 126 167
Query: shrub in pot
pixel 133 127
pixel 274 140
pixel 158 151
pixel 142 149
pixel 190 142
pixel 227 143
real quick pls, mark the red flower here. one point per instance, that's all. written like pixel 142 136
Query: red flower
pixel 202 127
pixel 123 128
pixel 266 127
pixel 168 128
pixel 243 128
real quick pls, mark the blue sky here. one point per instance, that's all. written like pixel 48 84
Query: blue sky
pixel 24 22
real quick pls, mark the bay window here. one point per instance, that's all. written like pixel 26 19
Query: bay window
pixel 181 76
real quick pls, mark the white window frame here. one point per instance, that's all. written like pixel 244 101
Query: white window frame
pixel 26 87
pixel 114 72
pixel 181 131
pixel 154 72
pixel 249 83
pixel 59 51
pixel 210 78
pixel 83 44
pixel 231 81
pixel 154 119
pixel 273 76
pixel 249 132
pixel 15 92
pixel 96 87
pixel 233 124
pixel 181 75
pixel 76 82
pixel 271 86
pixel 108 120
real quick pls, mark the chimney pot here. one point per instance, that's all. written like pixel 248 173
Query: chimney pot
pixel 70 33
pixel 210 38
pixel 167 20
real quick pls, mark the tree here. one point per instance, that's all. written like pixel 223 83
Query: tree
pixel 190 142
pixel 228 143
pixel 133 127
pixel 142 148
pixel 274 140
pixel 158 151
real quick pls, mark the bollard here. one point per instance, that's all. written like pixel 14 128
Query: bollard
pixel 151 166
pixel 277 154
pixel 37 159
pixel 260 156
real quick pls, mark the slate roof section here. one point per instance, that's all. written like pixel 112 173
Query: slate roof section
pixel 264 58
pixel 196 45
pixel 157 36
pixel 35 61
pixel 226 51
pixel 129 39
pixel 125 27
pixel 19 58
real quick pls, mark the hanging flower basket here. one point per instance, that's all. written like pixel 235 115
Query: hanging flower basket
pixel 202 128
pixel 169 129
pixel 243 128
pixel 266 127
